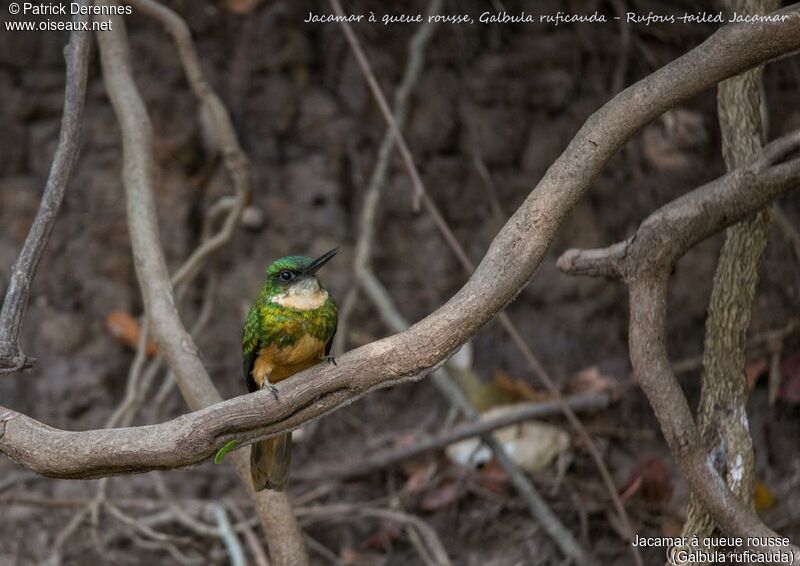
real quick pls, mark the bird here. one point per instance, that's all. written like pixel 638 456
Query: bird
pixel 289 328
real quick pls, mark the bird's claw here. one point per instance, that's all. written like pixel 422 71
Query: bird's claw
pixel 331 360
pixel 273 389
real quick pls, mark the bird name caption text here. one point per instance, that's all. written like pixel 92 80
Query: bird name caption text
pixel 555 18
pixel 719 549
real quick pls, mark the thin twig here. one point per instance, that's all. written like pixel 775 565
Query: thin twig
pixel 469 268
pixel 417 47
pixel 356 511
pixel 450 389
pixel 23 272
pixel 232 544
pixel 249 535
pixel 514 415
pixel 175 343
pixel 645 262
pixel 235 159
pixel 525 237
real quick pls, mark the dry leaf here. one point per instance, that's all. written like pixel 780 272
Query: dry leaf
pixel 241 7
pixel 651 478
pixel 763 497
pixel 790 386
pixel 518 389
pixel 531 445
pixel 126 329
pixel 482 395
pixel 441 496
pixel 753 370
pixel 493 477
pixel 383 538
pixel 589 380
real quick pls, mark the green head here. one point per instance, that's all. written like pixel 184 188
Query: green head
pixel 292 280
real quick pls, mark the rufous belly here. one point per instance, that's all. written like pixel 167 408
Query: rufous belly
pixel 277 363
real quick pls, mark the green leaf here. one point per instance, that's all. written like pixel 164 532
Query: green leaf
pixel 224 450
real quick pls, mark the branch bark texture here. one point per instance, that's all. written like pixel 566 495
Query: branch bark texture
pixel 645 262
pixel 413 353
pixel 722 412
pixel 76 55
pixel 175 343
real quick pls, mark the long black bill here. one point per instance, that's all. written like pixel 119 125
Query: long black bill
pixel 314 266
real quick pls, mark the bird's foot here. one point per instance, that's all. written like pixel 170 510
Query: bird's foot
pixel 331 360
pixel 272 388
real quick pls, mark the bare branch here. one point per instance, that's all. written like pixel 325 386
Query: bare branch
pixel 516 414
pixel 407 355
pixel 722 410
pixel 645 261
pixel 235 159
pixel 672 230
pixel 76 55
pixel 175 343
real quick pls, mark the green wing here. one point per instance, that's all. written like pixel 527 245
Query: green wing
pixel 250 347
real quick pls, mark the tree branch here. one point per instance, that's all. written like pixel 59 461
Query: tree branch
pixel 175 343
pixel 515 414
pixel 76 55
pixel 722 411
pixel 645 262
pixel 410 354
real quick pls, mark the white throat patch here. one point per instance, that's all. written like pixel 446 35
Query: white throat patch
pixel 305 296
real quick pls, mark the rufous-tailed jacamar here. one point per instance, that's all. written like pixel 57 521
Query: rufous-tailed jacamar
pixel 290 328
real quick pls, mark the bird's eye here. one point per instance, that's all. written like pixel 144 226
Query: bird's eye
pixel 286 275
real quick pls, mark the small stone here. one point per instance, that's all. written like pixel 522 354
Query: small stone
pixel 253 218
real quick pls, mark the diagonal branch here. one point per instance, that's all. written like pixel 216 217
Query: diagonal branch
pixel 645 262
pixel 175 343
pixel 76 55
pixel 380 297
pixel 722 409
pixel 407 355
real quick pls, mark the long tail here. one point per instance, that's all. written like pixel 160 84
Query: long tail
pixel 270 460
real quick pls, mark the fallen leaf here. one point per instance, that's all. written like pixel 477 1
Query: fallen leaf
pixel 532 445
pixel 651 478
pixel 126 329
pixel 589 380
pixel 790 386
pixel 383 538
pixel 418 479
pixel 241 7
pixel 671 526
pixel 763 498
pixel 492 477
pixel 753 370
pixel 481 394
pixel 518 389
pixel 441 496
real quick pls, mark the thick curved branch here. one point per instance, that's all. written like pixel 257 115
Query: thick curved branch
pixel 235 159
pixel 648 298
pixel 175 343
pixel 721 411
pixel 672 230
pixel 645 262
pixel 76 55
pixel 410 354
pixel 515 414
